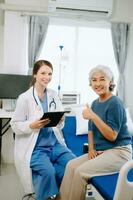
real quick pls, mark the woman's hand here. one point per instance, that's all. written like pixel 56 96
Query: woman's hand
pixel 39 123
pixel 93 154
pixel 88 113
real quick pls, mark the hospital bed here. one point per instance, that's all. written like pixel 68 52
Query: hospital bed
pixel 118 186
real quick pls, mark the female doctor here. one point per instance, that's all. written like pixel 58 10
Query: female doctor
pixel 40 156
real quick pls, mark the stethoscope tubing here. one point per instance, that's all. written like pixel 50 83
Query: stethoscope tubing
pixel 50 104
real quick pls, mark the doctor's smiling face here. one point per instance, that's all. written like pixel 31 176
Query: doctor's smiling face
pixel 43 76
pixel 42 73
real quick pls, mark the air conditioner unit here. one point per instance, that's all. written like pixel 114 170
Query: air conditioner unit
pixel 70 98
pixel 35 6
pixel 62 8
pixel 86 8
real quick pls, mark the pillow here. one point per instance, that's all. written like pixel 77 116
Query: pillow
pixel 81 123
pixel 129 122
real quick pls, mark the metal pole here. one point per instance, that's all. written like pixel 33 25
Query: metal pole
pixel 60 71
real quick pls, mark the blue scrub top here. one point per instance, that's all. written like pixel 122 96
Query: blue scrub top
pixel 46 136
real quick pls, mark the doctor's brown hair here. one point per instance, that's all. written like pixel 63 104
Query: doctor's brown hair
pixel 37 66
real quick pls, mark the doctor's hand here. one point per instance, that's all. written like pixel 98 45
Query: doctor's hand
pixel 88 113
pixel 39 123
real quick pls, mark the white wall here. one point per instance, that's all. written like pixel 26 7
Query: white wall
pixel 8 147
pixel 129 73
pixel 13 56
pixel 1 38
pixel 15 43
pixel 122 10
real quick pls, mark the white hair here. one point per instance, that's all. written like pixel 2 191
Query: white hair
pixel 105 70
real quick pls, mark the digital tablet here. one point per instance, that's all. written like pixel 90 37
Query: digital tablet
pixel 54 117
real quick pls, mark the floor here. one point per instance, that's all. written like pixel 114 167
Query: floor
pixel 10 186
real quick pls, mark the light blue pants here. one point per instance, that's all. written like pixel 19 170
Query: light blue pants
pixel 48 166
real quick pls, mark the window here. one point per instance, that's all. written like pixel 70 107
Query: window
pixel 83 48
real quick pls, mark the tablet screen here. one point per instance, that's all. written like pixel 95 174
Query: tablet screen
pixel 54 117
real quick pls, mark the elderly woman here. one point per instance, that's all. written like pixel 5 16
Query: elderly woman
pixel 109 139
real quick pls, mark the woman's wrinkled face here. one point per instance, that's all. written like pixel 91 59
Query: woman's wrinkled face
pixel 43 76
pixel 100 83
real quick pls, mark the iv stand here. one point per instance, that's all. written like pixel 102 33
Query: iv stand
pixel 60 66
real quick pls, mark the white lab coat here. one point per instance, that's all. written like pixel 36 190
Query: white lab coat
pixel 26 112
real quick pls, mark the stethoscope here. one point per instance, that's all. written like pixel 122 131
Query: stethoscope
pixel 52 104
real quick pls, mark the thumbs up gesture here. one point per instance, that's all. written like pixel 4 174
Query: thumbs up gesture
pixel 87 112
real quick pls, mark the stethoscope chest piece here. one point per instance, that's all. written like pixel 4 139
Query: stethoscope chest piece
pixel 52 103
